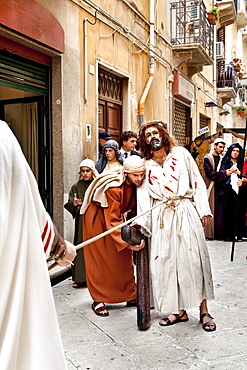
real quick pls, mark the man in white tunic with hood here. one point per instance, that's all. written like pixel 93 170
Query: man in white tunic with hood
pixel 29 332
pixel 179 261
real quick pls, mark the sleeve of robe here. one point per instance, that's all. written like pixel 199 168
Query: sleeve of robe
pixel 216 176
pixel 244 174
pixel 113 217
pixel 69 206
pixel 144 203
pixel 198 185
pixel 44 220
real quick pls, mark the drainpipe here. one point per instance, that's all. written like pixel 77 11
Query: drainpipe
pixel 151 66
pixel 85 61
pixel 215 109
pixel 86 55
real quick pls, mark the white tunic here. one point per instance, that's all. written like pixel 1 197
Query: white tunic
pixel 29 332
pixel 179 261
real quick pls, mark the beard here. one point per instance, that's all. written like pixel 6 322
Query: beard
pixel 156 144
pixel 136 183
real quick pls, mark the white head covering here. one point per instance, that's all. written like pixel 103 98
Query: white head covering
pixel 133 164
pixel 29 331
pixel 90 164
pixel 219 140
pixel 108 179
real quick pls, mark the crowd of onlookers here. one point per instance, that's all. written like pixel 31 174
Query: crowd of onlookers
pixel 111 158
pixel 125 182
pixel 225 176
pixel 162 186
pixel 221 170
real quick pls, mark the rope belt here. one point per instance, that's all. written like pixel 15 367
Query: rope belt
pixel 171 203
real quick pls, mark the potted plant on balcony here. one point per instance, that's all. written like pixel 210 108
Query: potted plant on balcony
pixel 237 65
pixel 241 110
pixel 214 14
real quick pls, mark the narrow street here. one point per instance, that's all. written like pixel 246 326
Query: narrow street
pixel 114 342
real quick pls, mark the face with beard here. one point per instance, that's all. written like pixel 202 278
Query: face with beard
pixel 153 138
pixel 135 178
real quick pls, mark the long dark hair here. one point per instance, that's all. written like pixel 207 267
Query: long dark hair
pixel 162 127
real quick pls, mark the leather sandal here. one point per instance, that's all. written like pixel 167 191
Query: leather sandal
pixel 131 303
pixel 79 285
pixel 99 308
pixel 211 325
pixel 168 322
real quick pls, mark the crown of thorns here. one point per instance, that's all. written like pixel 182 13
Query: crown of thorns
pixel 152 123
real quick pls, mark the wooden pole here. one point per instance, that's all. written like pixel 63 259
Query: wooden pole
pixel 143 288
pixel 242 165
pixel 107 232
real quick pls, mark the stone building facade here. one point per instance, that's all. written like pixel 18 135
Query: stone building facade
pixel 73 68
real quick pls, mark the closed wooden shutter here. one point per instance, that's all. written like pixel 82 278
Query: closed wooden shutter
pixel 180 123
pixel 221 32
pixel 204 121
pixel 221 68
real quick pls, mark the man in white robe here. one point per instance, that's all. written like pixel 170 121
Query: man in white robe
pixel 179 262
pixel 29 332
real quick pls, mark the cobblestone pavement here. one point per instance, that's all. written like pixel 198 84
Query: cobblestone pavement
pixel 114 342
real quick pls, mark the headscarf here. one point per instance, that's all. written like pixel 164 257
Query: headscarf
pixel 133 164
pixel 102 162
pixel 226 161
pixel 107 179
pixel 25 229
pixel 90 164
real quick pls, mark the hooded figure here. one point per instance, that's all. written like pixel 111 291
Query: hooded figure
pixel 90 164
pixel 87 173
pixel 104 164
pixel 234 195
pixel 227 162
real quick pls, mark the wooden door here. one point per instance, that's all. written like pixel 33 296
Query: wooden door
pixel 110 104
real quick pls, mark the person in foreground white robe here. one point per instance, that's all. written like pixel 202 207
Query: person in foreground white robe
pixel 29 332
pixel 179 261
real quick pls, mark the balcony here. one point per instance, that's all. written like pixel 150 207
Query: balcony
pixel 228 12
pixel 227 81
pixel 191 35
pixel 241 18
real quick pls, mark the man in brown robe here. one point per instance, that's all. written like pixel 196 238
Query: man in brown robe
pixel 109 263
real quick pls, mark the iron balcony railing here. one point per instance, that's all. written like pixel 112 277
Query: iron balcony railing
pixel 189 25
pixel 226 76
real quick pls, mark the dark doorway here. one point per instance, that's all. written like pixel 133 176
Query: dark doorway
pixel 32 130
pixel 25 106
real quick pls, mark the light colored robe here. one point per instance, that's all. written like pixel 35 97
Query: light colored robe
pixel 29 332
pixel 179 262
